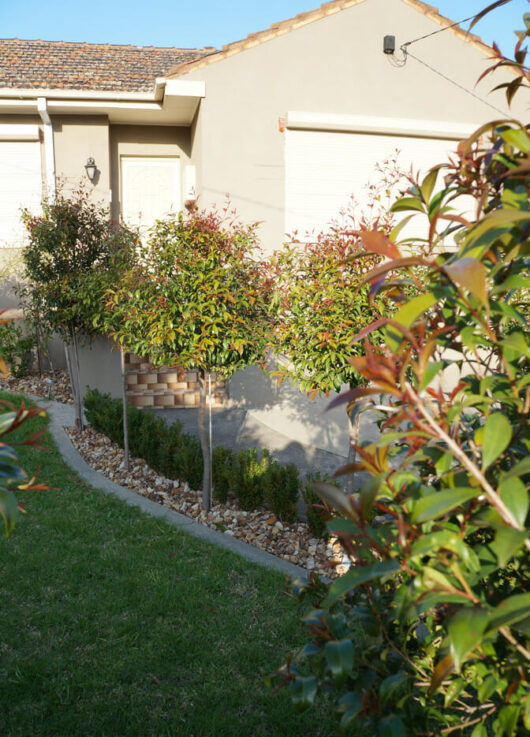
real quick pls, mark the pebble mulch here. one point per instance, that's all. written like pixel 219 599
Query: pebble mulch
pixel 40 386
pixel 293 542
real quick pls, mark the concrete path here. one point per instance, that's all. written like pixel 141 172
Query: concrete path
pixel 62 415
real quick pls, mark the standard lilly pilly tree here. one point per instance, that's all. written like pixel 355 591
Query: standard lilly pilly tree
pixel 428 633
pixel 74 252
pixel 197 302
pixel 320 300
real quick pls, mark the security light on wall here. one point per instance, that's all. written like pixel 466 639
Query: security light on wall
pixel 91 168
pixel 389 44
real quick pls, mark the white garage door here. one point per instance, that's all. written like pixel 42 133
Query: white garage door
pixel 20 187
pixel 324 168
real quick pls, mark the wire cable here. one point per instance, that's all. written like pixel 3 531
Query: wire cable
pixel 456 84
pixel 440 30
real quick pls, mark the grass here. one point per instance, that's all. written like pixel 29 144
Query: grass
pixel 115 625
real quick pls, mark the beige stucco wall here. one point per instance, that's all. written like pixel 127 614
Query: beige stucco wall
pixel 333 65
pixel 143 140
pixel 76 138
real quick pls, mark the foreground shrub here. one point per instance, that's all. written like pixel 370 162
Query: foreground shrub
pixel 16 348
pixel 439 539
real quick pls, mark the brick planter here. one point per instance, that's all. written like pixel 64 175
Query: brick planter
pixel 166 388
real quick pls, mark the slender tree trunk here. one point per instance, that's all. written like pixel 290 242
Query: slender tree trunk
pixel 72 363
pixel 38 349
pixel 205 445
pixel 78 382
pixel 125 425
pixel 354 419
pixel 71 377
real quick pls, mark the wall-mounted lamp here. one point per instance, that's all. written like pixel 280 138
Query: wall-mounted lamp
pixel 389 44
pixel 91 168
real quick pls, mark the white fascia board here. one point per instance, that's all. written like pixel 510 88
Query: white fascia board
pixel 65 94
pixel 375 124
pixel 19 132
pixel 184 88
pixel 86 106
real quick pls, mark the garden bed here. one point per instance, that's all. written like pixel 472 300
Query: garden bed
pixel 39 385
pixel 293 542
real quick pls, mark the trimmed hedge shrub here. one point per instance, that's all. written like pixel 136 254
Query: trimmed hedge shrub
pixel 164 447
pixel 250 476
pixel 281 490
pixel 316 512
pixel 223 468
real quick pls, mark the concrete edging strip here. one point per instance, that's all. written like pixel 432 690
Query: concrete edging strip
pixel 61 416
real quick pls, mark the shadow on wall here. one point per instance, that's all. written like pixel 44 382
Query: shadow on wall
pixel 287 410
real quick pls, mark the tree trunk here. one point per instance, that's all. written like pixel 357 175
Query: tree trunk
pixel 354 419
pixel 72 363
pixel 78 382
pixel 205 445
pixel 125 425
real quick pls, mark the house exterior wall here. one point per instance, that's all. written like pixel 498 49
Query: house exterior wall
pixel 143 140
pixel 332 65
pixel 77 137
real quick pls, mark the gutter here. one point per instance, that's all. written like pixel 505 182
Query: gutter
pixel 49 148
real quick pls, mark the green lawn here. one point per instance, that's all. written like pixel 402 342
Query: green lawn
pixel 114 624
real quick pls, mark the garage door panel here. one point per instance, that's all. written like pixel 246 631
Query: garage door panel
pixel 324 169
pixel 20 188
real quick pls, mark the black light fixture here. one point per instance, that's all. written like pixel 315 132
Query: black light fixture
pixel 91 168
pixel 389 44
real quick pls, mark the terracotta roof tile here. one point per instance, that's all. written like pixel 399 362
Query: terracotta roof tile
pixel 83 66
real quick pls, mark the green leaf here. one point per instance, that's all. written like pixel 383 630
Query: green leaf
pixel 507 542
pixel 509 611
pixel 368 493
pixel 487 688
pixel 454 690
pixel 428 184
pixel 517 138
pixel 466 630
pixel 8 509
pixel 408 203
pixel 392 726
pixel 496 438
pixel 508 717
pixel 470 274
pixel 303 691
pixel 440 502
pixel 479 731
pixel 520 469
pixel 431 371
pixel 515 495
pixel 515 343
pixel 339 655
pixel 406 315
pixel 334 497
pixel 357 576
pixel 351 704
pixel 391 686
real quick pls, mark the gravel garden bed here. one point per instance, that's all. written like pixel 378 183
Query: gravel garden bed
pixel 293 542
pixel 40 386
